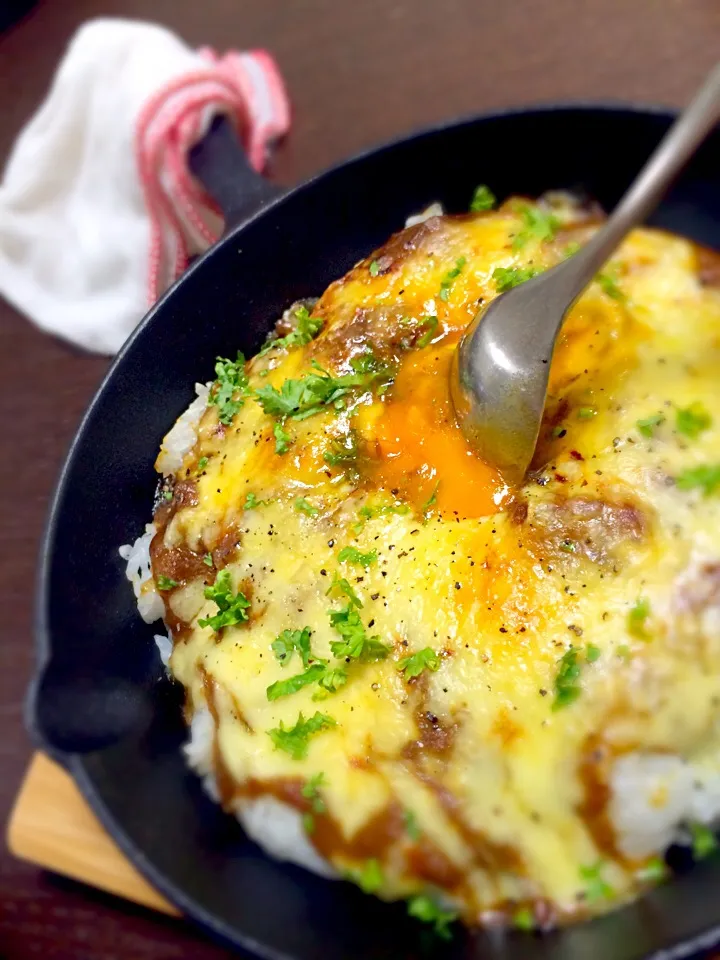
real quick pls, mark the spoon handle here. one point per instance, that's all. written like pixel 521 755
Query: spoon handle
pixel 669 158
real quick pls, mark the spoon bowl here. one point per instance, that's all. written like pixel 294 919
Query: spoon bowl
pixel 500 370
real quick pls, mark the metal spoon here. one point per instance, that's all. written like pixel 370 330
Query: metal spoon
pixel 500 370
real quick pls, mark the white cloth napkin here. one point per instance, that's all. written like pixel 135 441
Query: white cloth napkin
pixel 98 213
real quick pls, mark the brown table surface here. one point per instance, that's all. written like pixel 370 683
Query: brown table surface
pixel 358 72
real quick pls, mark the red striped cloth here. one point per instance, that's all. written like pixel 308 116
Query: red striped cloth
pixel 98 211
pixel 184 219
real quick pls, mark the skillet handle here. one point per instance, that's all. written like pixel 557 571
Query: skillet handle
pixel 220 164
pixel 68 712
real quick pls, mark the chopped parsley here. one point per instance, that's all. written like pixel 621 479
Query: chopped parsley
pixel 704 841
pixel 332 679
pixel 567 681
pixel 571 249
pixel 304 506
pixel 294 740
pixel 692 420
pixel 353 555
pixel 652 871
pixel 251 502
pixel 167 495
pixel 379 374
pixel 355 642
pixel 414 665
pixel 381 510
pixel 430 502
pixel 411 825
pixel 586 413
pixel 341 584
pixel 306 329
pixel 283 688
pixel 232 609
pixel 508 277
pixel 592 653
pixel 202 463
pixel 165 583
pixel 450 277
pixel 647 426
pixel 537 225
pixel 595 887
pixel 231 381
pixel 342 452
pixel 523 919
pixel 482 199
pixel 208 560
pixel 609 285
pixel 431 324
pixel 624 651
pixel 425 909
pixel 568 546
pixel 370 878
pixel 282 439
pixel 705 478
pixel 310 792
pixel 290 641
pixel 368 363
pixel 299 399
pixel 637 618
pixel 374 268
pixel 317 804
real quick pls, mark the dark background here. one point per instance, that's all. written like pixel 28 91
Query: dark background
pixel 358 71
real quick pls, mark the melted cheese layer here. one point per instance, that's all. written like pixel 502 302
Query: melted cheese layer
pixel 473 780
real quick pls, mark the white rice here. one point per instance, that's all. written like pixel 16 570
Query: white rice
pixel 434 210
pixel 655 795
pixel 178 442
pixel 198 749
pixel 182 437
pixel 163 642
pixel 278 829
pixel 273 825
pixel 138 572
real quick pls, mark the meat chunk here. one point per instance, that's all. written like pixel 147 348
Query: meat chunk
pixel 593 528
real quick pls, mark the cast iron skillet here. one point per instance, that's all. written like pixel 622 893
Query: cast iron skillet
pixel 100 703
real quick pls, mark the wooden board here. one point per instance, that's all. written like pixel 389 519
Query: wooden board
pixel 51 825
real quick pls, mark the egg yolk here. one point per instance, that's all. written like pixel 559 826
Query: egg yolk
pixel 420 451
